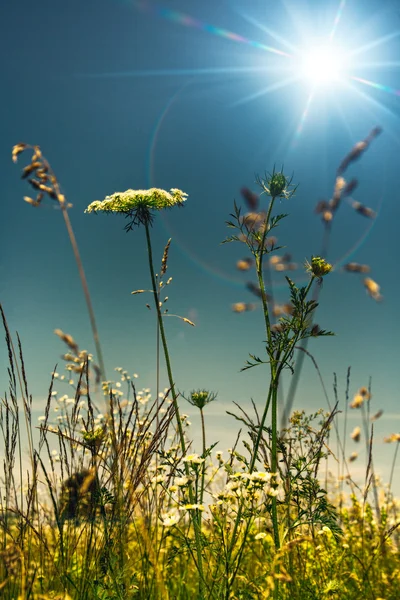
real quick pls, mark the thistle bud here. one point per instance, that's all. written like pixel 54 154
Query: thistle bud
pixel 277 184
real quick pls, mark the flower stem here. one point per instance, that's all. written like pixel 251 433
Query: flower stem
pixel 203 466
pixel 195 515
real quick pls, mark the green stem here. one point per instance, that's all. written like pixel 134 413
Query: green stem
pixel 85 289
pixel 195 515
pixel 274 463
pixel 276 363
pixel 259 269
pixel 203 466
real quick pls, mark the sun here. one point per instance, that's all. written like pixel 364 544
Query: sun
pixel 327 55
pixel 322 65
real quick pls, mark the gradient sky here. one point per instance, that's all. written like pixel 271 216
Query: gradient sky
pixel 201 96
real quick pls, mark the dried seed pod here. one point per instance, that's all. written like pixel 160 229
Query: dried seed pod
pixel 188 321
pixel 68 339
pixel 358 149
pixel 357 401
pixel 252 199
pixel 327 216
pixel 321 206
pixel 354 267
pixel 372 288
pixel 364 210
pixel 241 307
pixel 253 220
pixel 164 260
pixel 377 415
pixel 244 264
pixel 29 169
pixel 255 289
pixel 31 201
pixel 350 187
pixel 17 149
pixel 282 309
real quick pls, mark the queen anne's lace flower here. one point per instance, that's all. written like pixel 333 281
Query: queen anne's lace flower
pixel 138 204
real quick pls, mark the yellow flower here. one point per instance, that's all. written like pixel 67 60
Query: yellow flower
pixel 318 267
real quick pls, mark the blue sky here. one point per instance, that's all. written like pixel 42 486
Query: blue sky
pixel 200 96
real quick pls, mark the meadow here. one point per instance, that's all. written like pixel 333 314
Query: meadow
pixel 118 504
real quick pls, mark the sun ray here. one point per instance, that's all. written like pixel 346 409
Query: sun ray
pixel 378 65
pixel 321 64
pixel 182 72
pixel 188 21
pixel 371 100
pixel 378 86
pixel 375 43
pixel 270 32
pixel 337 19
pixel 271 88
pixel 303 119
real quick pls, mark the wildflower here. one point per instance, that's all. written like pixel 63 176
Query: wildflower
pixel 181 481
pixel 356 434
pixel 138 204
pixel 261 476
pixel 192 507
pixel 194 459
pixel 158 479
pixel 318 267
pixel 94 438
pixel 169 519
pixel 199 398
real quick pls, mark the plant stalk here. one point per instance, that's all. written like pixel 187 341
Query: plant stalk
pixel 195 515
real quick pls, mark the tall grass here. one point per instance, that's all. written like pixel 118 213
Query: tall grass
pixel 118 505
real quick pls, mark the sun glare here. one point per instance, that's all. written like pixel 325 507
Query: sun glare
pixel 322 65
